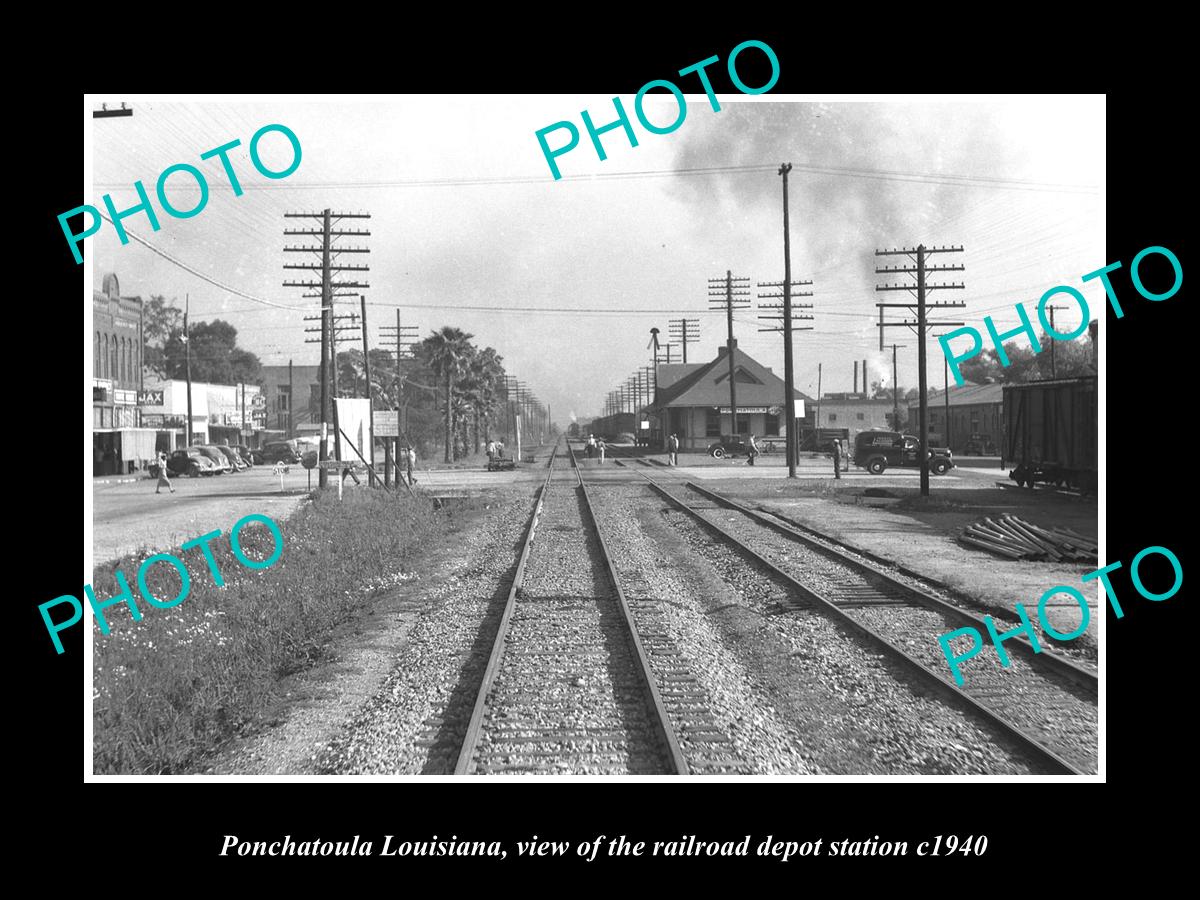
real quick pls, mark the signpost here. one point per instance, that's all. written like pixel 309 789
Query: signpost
pixel 387 423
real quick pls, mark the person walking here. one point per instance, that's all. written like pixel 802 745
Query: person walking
pixel 491 451
pixel 411 461
pixel 591 446
pixel 673 450
pixel 752 449
pixel 837 459
pixel 163 480
pixel 600 449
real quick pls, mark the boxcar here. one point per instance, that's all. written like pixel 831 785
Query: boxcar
pixel 1051 432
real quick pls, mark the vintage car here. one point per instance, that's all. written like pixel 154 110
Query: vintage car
pixel 875 451
pixel 235 460
pixel 736 445
pixel 210 450
pixel 190 462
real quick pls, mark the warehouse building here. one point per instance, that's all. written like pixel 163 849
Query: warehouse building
pixel 974 410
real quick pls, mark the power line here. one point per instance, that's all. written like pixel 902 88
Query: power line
pixel 171 259
pixel 814 169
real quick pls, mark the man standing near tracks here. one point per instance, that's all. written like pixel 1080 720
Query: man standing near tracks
pixel 673 450
pixel 837 459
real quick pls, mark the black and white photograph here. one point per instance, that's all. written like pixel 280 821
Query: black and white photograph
pixel 700 433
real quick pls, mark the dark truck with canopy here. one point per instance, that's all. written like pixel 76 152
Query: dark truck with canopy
pixel 875 451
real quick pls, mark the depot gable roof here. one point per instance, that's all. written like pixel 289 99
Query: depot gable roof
pixel 708 384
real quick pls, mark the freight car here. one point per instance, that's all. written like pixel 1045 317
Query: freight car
pixel 1051 432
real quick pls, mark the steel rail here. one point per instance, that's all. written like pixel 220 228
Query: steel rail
pixel 662 721
pixel 1062 665
pixel 945 686
pixel 465 764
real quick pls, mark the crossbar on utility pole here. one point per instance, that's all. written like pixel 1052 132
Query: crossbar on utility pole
pixel 734 295
pixel 918 255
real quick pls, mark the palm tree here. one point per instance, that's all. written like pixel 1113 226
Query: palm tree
pixel 488 374
pixel 446 352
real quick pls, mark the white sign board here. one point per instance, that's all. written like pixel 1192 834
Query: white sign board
pixel 387 423
pixel 798 409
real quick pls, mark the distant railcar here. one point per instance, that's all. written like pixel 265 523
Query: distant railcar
pixel 1051 432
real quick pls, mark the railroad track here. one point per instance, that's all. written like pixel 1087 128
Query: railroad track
pixel 571 684
pixel 1046 703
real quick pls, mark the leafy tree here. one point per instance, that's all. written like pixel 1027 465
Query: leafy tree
pixel 215 355
pixel 159 320
pixel 1071 358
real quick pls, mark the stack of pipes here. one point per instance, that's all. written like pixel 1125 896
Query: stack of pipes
pixel 1018 539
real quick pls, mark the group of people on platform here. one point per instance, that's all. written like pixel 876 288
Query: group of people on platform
pixel 596 448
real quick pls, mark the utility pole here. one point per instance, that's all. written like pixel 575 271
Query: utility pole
pixel 788 369
pixel 403 338
pixel 331 327
pixel 1050 338
pixel 370 454
pixel 946 393
pixel 327 287
pixel 817 427
pixel 243 412
pixel 735 295
pixel 895 390
pixel 291 404
pixel 187 366
pixel 919 327
pixel 684 332
pixel 781 316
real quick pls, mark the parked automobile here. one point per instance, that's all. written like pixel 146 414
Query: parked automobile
pixel 246 454
pixel 234 460
pixel 728 445
pixel 190 462
pixel 280 451
pixel 876 450
pixel 210 450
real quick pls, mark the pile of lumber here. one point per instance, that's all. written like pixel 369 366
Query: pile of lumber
pixel 1017 539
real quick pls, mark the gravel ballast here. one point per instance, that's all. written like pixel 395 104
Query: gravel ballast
pixel 1045 704
pixel 857 710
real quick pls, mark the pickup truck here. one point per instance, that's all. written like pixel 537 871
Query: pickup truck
pixel 876 450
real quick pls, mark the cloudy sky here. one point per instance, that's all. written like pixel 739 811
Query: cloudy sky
pixel 566 278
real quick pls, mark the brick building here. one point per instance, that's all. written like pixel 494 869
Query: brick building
pixel 305 381
pixel 119 444
pixel 974 409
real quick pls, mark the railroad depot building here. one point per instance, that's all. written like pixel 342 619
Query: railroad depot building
pixel 119 444
pixel 692 400
pixel 974 409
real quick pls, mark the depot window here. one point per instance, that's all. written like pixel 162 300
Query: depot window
pixel 712 424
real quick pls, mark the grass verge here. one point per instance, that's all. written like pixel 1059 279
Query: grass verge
pixel 174 686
